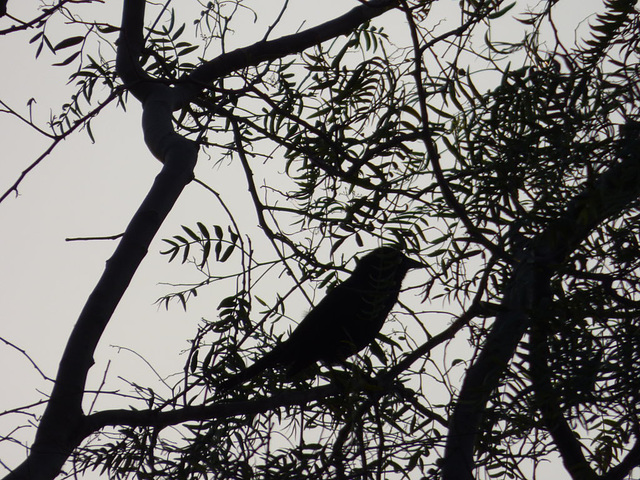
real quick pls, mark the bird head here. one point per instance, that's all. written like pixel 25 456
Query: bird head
pixel 388 261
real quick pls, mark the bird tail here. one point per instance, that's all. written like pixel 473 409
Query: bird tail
pixel 270 360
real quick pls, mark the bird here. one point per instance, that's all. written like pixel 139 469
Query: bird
pixel 345 321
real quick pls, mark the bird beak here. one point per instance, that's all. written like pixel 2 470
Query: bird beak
pixel 411 263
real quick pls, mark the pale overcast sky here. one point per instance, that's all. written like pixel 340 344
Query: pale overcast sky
pixel 86 189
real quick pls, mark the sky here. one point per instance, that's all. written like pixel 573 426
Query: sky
pixel 81 190
pixel 84 190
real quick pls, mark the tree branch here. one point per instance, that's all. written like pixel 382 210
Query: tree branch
pixel 547 401
pixel 154 418
pixel 61 427
pixel 263 51
pixel 64 425
pixel 539 259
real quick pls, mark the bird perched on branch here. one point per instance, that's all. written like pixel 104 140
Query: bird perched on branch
pixel 345 321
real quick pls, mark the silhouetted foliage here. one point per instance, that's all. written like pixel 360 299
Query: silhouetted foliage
pixel 508 163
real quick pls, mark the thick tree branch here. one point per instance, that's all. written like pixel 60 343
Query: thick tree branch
pixel 614 190
pixel 161 419
pixel 628 463
pixel 264 51
pixel 61 428
pixel 547 401
pixel 64 424
pixel 130 45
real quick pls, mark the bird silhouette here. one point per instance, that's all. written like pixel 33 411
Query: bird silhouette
pixel 345 321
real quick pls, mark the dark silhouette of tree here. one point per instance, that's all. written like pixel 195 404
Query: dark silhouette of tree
pixel 371 129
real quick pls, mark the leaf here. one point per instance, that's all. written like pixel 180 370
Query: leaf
pixel 234 236
pixel 188 50
pixel 227 302
pixel 67 61
pixel 185 255
pixel 336 244
pixel 48 43
pixel 183 301
pixel 191 233
pixel 181 239
pixel 90 132
pixel 107 28
pixel 174 252
pixel 501 12
pixel 36 37
pixel 203 230
pixel 227 253
pixel 194 362
pixel 262 302
pixel 68 42
pixel 378 352
pixel 206 251
pixel 178 32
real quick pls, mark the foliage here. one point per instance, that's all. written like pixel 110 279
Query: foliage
pixel 383 136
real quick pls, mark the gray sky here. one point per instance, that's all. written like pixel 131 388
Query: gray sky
pixel 86 189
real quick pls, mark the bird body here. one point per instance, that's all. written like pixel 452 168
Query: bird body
pixel 345 321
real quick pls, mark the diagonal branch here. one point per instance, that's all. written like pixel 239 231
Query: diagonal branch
pixel 540 258
pixel 547 401
pixel 218 410
pixel 64 425
pixel 264 51
pixel 61 427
